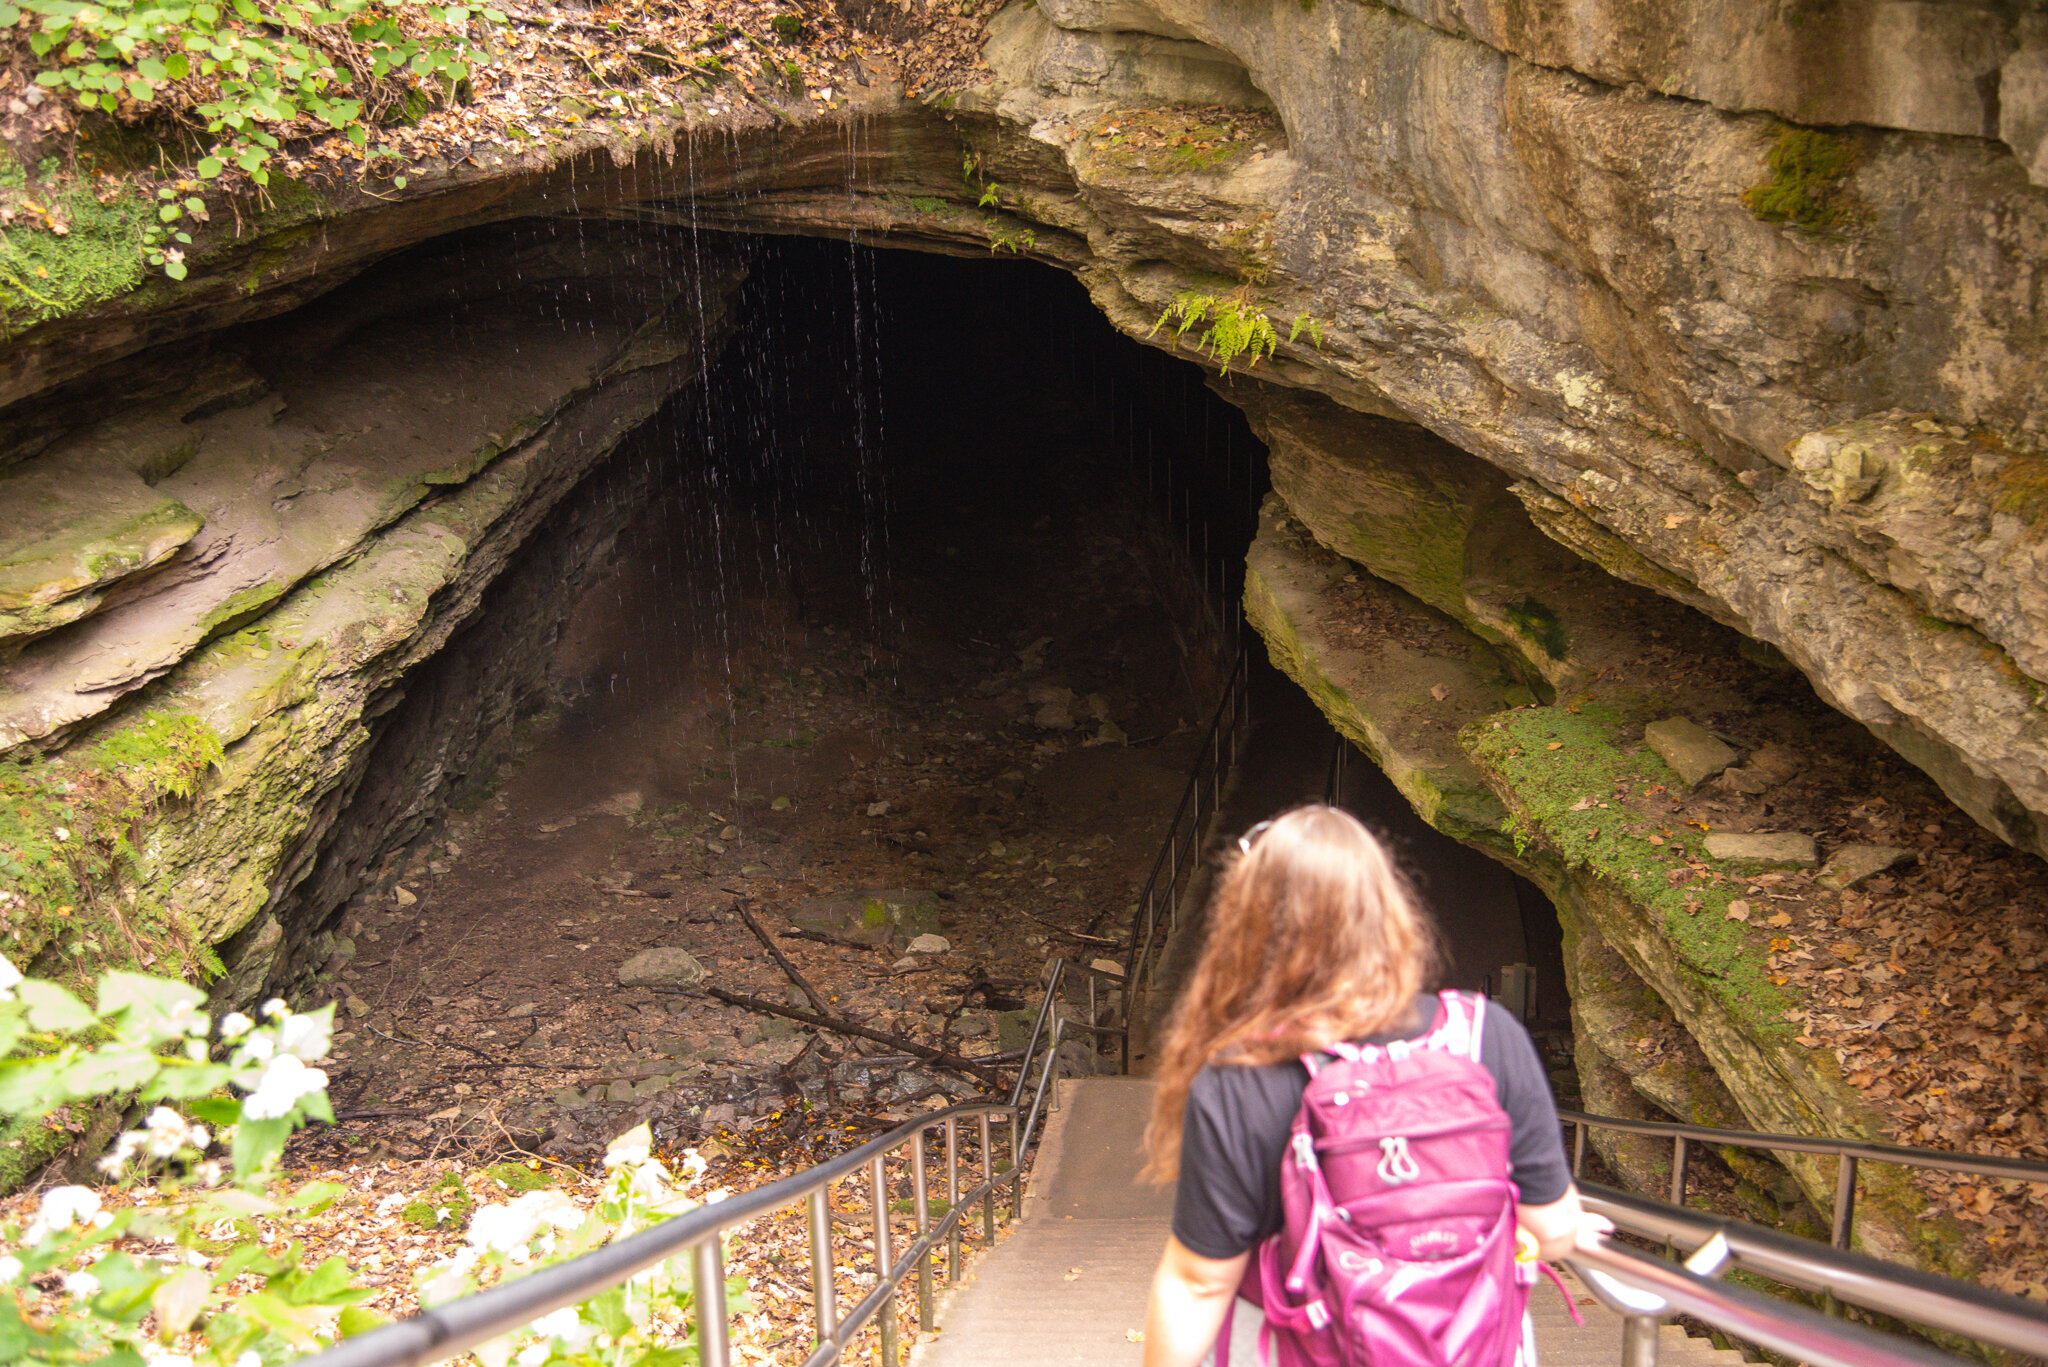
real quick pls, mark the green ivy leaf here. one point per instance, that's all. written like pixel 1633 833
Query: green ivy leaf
pixel 327 1284
pixel 216 1111
pixel 50 1007
pixel 257 1145
pixel 180 1083
pixel 111 1070
pixel 27 1086
pixel 210 167
pixel 355 1319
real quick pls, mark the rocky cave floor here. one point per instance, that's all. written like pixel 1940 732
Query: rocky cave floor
pixel 985 751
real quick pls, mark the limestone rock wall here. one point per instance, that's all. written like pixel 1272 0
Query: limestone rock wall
pixel 333 521
pixel 1640 308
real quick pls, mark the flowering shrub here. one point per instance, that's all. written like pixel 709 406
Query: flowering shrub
pixel 185 1276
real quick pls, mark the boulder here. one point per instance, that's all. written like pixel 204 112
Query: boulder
pixel 1851 864
pixel 662 967
pixel 1693 752
pixel 1785 849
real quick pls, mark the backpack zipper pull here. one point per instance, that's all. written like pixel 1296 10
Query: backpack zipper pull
pixel 1396 1165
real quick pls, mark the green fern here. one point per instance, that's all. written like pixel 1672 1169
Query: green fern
pixel 1232 326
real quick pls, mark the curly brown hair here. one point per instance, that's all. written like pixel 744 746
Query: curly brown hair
pixel 1314 936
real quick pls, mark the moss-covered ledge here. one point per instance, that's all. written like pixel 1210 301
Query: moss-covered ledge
pixel 1679 920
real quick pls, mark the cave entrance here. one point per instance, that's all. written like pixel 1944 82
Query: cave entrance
pixel 897 626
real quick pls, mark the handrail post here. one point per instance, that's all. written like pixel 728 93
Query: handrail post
pixel 1843 1225
pixel 1017 1158
pixel 988 1176
pixel 885 1318
pixel 924 1224
pixel 1681 1156
pixel 953 1200
pixel 824 1300
pixel 1639 1341
pixel 1579 1128
pixel 1845 1201
pixel 707 1277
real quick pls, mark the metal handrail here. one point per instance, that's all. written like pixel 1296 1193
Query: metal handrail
pixel 447 1330
pixel 1906 1293
pixel 1645 1290
pixel 1849 1152
pixel 1217 756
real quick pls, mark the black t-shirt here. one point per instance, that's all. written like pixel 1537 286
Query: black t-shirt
pixel 1235 1133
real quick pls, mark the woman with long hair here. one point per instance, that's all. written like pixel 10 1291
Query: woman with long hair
pixel 1314 939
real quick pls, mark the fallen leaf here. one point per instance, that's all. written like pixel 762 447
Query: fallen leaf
pixel 1738 910
pixel 1555 745
pixel 1439 692
pixel 1783 918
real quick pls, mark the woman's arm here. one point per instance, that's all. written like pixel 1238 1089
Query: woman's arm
pixel 1190 1294
pixel 1559 1226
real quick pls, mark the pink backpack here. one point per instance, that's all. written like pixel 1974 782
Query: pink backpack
pixel 1399 1247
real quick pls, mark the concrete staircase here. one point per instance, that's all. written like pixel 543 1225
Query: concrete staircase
pixel 1068 1285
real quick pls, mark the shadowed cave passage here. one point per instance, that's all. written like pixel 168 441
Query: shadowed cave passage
pixel 925 589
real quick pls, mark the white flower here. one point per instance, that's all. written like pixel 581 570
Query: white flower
pixel 64 1207
pixel 650 1180
pixel 534 1354
pixel 694 1165
pixel 257 1048
pixel 633 1147
pixel 81 1284
pixel 124 1148
pixel 10 1268
pixel 189 1019
pixel 234 1025
pixel 62 835
pixel 249 1359
pixel 274 1008
pixel 284 1081
pixel 559 1324
pixel 169 1360
pixel 10 978
pixel 167 1132
pixel 306 1036
pixel 195 1049
pixel 509 1229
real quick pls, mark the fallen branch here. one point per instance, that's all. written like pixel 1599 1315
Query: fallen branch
pixel 796 976
pixel 938 1058
pixel 826 938
pixel 1075 934
pixel 433 1043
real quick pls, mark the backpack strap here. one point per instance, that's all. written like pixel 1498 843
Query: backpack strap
pixel 1457 1031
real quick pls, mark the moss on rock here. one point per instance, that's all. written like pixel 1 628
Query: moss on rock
pixel 46 273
